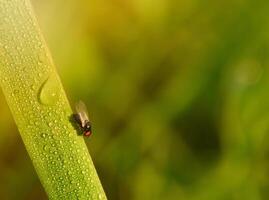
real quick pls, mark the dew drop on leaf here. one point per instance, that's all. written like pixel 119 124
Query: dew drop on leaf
pixel 50 91
pixel 43 135
pixel 46 147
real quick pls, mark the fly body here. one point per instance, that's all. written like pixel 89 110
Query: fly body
pixel 82 119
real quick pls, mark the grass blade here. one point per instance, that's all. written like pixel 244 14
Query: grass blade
pixel 40 108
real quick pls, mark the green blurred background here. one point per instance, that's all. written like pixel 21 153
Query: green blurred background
pixel 178 92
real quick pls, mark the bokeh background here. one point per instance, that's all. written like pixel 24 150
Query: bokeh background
pixel 178 92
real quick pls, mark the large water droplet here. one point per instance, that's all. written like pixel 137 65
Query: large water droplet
pixel 50 91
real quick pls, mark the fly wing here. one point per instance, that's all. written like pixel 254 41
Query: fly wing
pixel 82 112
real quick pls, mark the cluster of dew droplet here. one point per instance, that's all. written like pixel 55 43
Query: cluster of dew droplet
pixel 40 108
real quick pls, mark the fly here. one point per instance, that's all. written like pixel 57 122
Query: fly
pixel 82 119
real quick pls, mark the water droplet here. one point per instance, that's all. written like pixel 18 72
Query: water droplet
pixel 50 91
pixel 43 135
pixel 33 87
pixel 46 147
